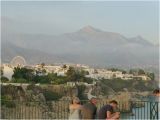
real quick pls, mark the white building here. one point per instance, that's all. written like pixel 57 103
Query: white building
pixel 7 71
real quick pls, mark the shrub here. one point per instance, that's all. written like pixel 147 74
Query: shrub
pixel 7 101
pixel 4 79
pixel 49 95
pixel 19 80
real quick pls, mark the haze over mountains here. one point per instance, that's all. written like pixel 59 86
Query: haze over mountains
pixel 88 45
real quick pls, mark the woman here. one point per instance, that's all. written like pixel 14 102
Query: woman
pixel 75 109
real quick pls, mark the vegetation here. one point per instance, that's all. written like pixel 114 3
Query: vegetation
pixel 141 72
pixel 4 79
pixel 136 85
pixel 24 75
pixel 7 101
pixel 27 74
pixel 1 69
pixel 151 75
pixel 9 94
pixel 49 95
pixel 81 89
pixel 116 69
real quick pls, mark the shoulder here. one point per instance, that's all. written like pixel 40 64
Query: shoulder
pixel 71 106
pixel 109 107
pixel 85 105
pixel 79 106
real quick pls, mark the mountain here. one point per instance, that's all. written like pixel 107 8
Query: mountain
pixel 88 45
pixel 140 40
pixel 9 51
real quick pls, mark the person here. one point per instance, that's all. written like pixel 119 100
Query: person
pixel 155 100
pixel 75 109
pixel 89 110
pixel 107 111
pixel 156 92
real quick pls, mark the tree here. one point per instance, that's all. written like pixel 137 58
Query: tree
pixel 151 76
pixel 132 71
pixel 1 68
pixel 114 75
pixel 42 65
pixel 83 72
pixel 124 72
pixel 64 66
pixel 113 69
pixel 19 80
pixel 52 76
pixel 75 75
pixel 141 72
pixel 71 74
pixel 4 79
pixel 41 79
pixel 24 73
pixel 95 71
pixel 49 95
pixel 44 71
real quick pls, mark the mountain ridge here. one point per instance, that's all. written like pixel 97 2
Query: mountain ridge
pixel 88 45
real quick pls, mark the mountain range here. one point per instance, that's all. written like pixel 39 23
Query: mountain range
pixel 88 45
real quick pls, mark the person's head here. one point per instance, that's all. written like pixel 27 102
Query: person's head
pixel 156 92
pixel 114 104
pixel 93 100
pixel 75 100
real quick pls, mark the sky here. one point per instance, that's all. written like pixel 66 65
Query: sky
pixel 127 18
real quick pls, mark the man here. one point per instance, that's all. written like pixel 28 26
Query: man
pixel 155 100
pixel 89 110
pixel 156 92
pixel 107 111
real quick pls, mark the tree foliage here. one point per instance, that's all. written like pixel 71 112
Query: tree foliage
pixel 4 79
pixel 25 75
pixel 141 72
pixel 49 95
pixel 118 84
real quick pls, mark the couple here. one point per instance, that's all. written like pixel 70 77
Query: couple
pixel 86 111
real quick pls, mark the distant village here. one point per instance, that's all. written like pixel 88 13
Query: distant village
pixel 61 70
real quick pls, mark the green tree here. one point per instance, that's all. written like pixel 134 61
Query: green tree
pixel 41 79
pixel 6 100
pixel 42 65
pixel 4 79
pixel 71 74
pixel 75 75
pixel 1 68
pixel 141 72
pixel 64 66
pixel 124 72
pixel 52 76
pixel 49 95
pixel 19 80
pixel 24 73
pixel 132 71
pixel 151 76
pixel 44 71
pixel 95 71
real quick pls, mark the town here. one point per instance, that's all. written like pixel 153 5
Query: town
pixel 61 70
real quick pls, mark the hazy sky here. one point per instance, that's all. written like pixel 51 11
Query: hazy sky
pixel 128 18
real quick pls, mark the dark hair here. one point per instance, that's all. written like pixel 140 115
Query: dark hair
pixel 114 102
pixel 93 98
pixel 156 91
